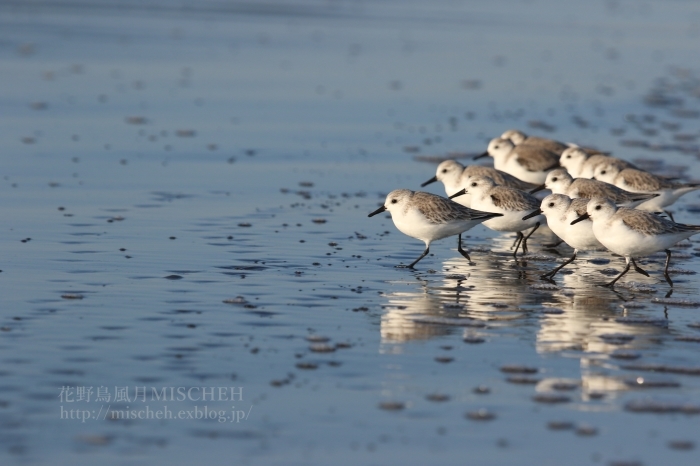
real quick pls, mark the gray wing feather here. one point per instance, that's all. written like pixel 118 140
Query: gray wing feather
pixel 648 223
pixel 440 210
pixel 644 181
pixel 513 199
pixel 549 144
pixel 593 188
pixel 535 159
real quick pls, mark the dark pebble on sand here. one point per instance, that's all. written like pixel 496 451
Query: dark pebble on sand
pixel 391 405
pixel 136 120
pixel 661 407
pixel 560 425
pixel 518 369
pixel 622 354
pixel 473 340
pixel 523 380
pixel 306 365
pixel 688 338
pixel 586 431
pixel 616 338
pixel 480 415
pixel 681 445
pixel 551 398
pixel 185 133
pixel 437 397
pixel 317 338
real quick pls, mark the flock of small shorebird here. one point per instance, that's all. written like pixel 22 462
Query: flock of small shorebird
pixel 597 201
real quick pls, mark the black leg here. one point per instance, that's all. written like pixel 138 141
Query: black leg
pixel 553 245
pixel 550 275
pixel 462 251
pixel 537 225
pixel 610 285
pixel 425 253
pixel 517 238
pixel 639 270
pixel 668 261
pixel 517 245
pixel 670 215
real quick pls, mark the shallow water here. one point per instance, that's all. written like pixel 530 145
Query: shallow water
pixel 186 197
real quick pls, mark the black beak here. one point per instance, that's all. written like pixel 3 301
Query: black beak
pixel 538 189
pixel 480 156
pixel 378 211
pixel 431 180
pixel 532 214
pixel 458 193
pixel 581 218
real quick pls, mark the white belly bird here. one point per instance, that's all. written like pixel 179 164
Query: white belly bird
pixel 634 233
pixel 428 217
pixel 512 203
pixel 560 211
pixel 525 162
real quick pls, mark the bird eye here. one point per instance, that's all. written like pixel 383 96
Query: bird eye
pixel 394 201
pixel 444 170
pixel 597 207
pixel 551 204
pixel 568 156
pixel 474 184
pixel 496 146
pixel 555 178
pixel 602 172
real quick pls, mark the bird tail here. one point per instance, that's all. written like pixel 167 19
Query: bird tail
pixel 481 215
pixel 643 196
pixel 687 228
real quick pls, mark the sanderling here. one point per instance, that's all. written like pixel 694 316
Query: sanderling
pixel 528 163
pixel 428 217
pixel 638 181
pixel 634 233
pixel 560 182
pixel 518 137
pixel 558 147
pixel 560 211
pixel 581 163
pixel 510 202
pixel 453 175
